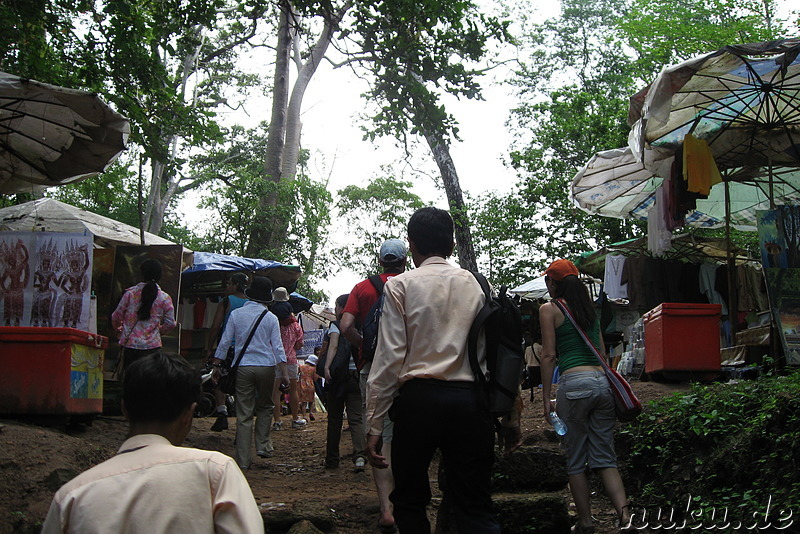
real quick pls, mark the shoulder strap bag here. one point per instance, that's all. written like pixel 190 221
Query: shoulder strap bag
pixel 628 406
pixel 227 383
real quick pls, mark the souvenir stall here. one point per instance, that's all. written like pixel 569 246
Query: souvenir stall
pixel 203 289
pixel 62 270
pixel 677 305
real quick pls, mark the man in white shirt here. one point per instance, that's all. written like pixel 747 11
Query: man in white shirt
pixel 256 374
pixel 153 484
pixel 421 362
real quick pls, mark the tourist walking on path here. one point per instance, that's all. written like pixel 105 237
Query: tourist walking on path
pixel 421 362
pixel 153 484
pixel 233 300
pixel 343 391
pixel 256 372
pixel 292 338
pixel 143 314
pixel 392 259
pixel 584 398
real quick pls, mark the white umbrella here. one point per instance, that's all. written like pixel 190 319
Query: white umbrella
pixel 52 135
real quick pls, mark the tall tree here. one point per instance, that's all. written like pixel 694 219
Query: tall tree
pixel 413 50
pixel 283 146
pixel 236 173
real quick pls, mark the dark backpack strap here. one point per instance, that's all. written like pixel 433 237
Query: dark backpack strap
pixel 249 337
pixel 477 325
pixel 377 283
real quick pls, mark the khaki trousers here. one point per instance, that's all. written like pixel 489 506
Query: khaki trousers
pixel 253 400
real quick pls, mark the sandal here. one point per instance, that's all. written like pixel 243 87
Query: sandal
pixel 577 528
pixel 387 529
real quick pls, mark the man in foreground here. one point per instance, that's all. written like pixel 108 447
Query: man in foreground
pixel 421 362
pixel 153 484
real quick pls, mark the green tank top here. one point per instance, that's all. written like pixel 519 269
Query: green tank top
pixel 572 349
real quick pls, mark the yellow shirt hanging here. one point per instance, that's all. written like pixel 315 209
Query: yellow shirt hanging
pixel 699 167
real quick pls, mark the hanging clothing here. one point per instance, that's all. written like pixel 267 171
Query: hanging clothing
pixel 699 168
pixel 612 279
pixel 708 275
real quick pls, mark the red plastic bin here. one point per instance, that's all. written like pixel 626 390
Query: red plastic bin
pixel 682 337
pixel 51 371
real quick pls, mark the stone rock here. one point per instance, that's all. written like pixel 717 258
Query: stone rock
pixel 530 469
pixel 532 513
pixel 304 527
pixel 281 517
pixel 58 478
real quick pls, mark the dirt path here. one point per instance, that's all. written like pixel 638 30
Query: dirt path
pixel 35 460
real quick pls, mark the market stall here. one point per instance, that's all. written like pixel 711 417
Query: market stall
pixel 63 270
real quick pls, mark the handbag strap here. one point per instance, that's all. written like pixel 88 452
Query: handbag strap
pixel 568 314
pixel 249 337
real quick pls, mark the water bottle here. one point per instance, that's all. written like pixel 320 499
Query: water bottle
pixel 558 425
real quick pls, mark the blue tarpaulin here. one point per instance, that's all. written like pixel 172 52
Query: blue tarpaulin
pixel 210 261
pixel 206 264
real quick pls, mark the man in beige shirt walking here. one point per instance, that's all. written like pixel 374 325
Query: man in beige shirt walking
pixel 421 365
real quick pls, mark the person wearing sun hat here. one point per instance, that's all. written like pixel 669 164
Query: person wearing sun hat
pixel 584 398
pixel 292 337
pixel 256 373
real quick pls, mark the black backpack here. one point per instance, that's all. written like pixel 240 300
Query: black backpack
pixel 501 320
pixel 369 330
pixel 339 366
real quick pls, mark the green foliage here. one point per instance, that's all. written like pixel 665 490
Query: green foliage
pixel 412 47
pixel 112 194
pixel 371 215
pixel 723 446
pixel 663 32
pixel 235 173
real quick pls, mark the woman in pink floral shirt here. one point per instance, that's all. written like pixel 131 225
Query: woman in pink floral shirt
pixel 143 314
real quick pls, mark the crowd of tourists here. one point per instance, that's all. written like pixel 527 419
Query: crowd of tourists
pixel 420 360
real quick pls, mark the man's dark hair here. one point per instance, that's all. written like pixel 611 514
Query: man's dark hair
pixel 395 266
pixel 159 387
pixel 431 230
pixel 341 300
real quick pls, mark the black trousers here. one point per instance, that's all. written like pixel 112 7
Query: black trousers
pixel 430 415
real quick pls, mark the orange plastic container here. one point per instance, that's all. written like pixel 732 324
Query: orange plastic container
pixel 682 337
pixel 51 371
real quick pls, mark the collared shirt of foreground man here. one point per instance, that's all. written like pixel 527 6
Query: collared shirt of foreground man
pixel 153 484
pixel 421 361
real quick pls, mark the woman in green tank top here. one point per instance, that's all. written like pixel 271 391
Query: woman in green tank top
pixel 585 401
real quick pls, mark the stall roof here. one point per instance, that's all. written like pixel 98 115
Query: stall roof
pixel 50 215
pixel 685 247
pixel 281 274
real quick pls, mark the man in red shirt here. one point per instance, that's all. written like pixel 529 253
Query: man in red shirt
pixel 392 257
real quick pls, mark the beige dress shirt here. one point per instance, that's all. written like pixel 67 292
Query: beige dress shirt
pixel 153 486
pixel 427 313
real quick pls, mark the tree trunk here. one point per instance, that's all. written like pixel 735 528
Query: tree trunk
pixel 260 234
pixel 455 199
pixel 283 143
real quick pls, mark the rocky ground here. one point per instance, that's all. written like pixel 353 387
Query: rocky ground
pixel 36 458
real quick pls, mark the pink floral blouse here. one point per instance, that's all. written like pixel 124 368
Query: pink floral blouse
pixel 135 333
pixel 291 334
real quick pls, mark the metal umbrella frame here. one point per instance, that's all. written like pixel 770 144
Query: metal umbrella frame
pixel 614 183
pixel 743 100
pixel 51 135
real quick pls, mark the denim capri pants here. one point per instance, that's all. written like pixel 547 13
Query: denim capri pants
pixel 584 401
